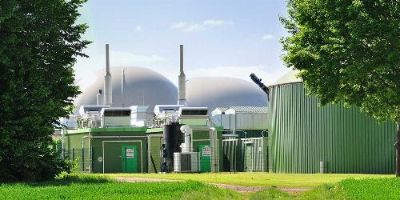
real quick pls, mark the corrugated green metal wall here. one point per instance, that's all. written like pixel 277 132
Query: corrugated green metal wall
pixel 304 133
pixel 245 154
pixel 232 155
pixel 255 154
pixel 154 147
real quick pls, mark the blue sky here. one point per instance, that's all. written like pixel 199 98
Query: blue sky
pixel 220 37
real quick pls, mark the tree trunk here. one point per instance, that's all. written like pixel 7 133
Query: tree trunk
pixel 398 150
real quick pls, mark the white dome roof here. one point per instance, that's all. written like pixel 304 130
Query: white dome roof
pixel 147 87
pixel 142 87
pixel 223 92
pixel 290 77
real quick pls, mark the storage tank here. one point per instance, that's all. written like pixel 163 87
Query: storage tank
pixel 306 136
pixel 213 92
pixel 131 86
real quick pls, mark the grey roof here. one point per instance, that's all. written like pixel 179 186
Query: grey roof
pixel 290 77
pixel 250 109
pixel 222 109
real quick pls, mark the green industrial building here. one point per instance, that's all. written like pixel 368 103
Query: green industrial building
pixel 108 150
pixel 127 149
pixel 306 137
pixel 245 138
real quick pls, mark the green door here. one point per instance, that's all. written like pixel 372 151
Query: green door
pixel 205 158
pixel 248 158
pixel 129 158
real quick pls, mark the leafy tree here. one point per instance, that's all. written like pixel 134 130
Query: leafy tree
pixel 348 51
pixel 39 43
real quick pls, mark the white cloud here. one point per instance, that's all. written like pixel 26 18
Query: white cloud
pixel 178 25
pixel 138 28
pixel 216 22
pixel 196 27
pixel 267 37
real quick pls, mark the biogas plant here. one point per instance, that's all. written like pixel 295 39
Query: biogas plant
pixel 134 120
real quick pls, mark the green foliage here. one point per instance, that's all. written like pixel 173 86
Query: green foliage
pixel 347 51
pixel 98 187
pixel 373 189
pixel 39 43
pixel 324 192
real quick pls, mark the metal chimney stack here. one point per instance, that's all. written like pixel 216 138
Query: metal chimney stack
pixel 123 86
pixel 182 81
pixel 107 79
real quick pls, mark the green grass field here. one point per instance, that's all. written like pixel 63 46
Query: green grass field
pixel 96 186
pixel 259 179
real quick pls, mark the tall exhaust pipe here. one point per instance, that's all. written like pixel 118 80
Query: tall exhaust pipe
pixel 182 81
pixel 123 86
pixel 107 79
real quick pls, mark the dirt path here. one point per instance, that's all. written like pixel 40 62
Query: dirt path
pixel 245 189
pixel 142 180
pixel 237 188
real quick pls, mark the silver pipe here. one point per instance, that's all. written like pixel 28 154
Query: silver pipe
pixel 107 79
pixel 182 80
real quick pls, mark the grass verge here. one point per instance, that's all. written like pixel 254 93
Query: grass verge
pixel 363 189
pixel 98 187
pixel 82 186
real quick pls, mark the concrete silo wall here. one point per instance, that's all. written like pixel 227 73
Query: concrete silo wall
pixel 303 133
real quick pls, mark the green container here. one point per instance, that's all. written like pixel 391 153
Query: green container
pixel 303 134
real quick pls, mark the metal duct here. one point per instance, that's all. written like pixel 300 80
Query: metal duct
pixel 259 83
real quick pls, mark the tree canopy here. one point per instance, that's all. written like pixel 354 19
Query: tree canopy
pixel 39 43
pixel 347 51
